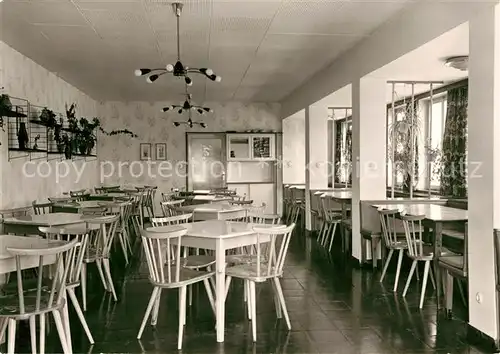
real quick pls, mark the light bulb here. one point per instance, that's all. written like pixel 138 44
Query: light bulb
pixel 138 72
pixel 209 71
pixel 218 79
pixel 188 80
pixel 169 68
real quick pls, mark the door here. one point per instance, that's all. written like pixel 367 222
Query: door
pixel 206 161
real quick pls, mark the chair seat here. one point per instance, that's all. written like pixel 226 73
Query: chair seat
pixel 457 234
pixel 235 259
pixel 9 304
pixel 249 271
pixel 186 277
pixel 369 234
pixel 199 261
pixel 453 263
pixel 428 253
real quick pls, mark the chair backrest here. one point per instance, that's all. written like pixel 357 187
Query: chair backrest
pixel 168 208
pixel 165 197
pixel 63 234
pixel 164 267
pixel 101 239
pixel 41 208
pixel 414 233
pixel 388 224
pixel 270 264
pixel 171 220
pixel 100 190
pixel 79 195
pixel 241 202
pixel 96 211
pixel 64 254
pixel 259 218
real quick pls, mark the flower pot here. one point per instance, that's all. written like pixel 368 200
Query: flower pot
pixel 82 147
pixel 68 151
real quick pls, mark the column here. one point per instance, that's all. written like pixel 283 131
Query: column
pixel 484 167
pixel 369 126
pixel 316 153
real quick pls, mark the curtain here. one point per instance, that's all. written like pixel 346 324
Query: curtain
pixel 407 147
pixel 453 160
pixel 338 149
pixel 348 152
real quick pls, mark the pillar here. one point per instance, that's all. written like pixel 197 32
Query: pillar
pixel 369 127
pixel 484 167
pixel 316 153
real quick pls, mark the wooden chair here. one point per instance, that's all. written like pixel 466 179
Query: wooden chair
pixel 44 299
pixel 331 218
pixel 392 241
pixel 41 208
pixel 268 266
pixel 124 210
pixel 80 233
pixel 166 271
pixel 98 251
pixel 418 251
pixel 100 190
pixel 169 208
pixel 455 266
pixel 79 195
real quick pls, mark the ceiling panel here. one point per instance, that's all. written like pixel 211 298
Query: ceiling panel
pixel 263 49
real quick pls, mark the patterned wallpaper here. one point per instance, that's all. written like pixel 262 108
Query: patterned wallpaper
pixel 294 151
pixel 21 77
pixel 153 126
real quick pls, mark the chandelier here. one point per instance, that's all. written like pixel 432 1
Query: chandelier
pixel 190 122
pixel 187 106
pixel 178 70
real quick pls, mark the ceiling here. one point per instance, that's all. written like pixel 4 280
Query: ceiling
pixel 426 63
pixel 263 49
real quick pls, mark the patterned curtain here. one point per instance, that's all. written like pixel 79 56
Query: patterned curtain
pixel 416 127
pixel 348 152
pixel 338 149
pixel 453 160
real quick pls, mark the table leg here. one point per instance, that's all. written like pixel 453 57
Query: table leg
pixel 438 229
pixel 342 228
pixel 3 280
pixel 220 288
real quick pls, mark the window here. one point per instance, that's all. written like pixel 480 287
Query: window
pixel 435 135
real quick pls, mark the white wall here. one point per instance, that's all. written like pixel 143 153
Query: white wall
pixel 24 78
pixel 153 126
pixel 294 158
pixel 414 26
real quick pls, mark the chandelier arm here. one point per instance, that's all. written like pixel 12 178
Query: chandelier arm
pixel 178 15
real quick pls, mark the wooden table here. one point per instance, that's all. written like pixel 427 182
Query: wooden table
pixel 75 207
pixel 29 224
pixel 220 236
pixel 435 217
pixel 109 196
pixel 213 211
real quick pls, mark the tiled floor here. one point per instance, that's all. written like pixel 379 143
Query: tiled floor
pixel 333 308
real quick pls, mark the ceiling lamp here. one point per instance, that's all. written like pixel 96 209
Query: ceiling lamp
pixel 460 62
pixel 187 106
pixel 178 70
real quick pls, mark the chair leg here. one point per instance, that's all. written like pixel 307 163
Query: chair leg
pixel 152 300
pixel 107 270
pixel 424 283
pixel 98 263
pixel 76 305
pixel 374 246
pixel 4 322
pixel 410 276
pixel 42 333
pixel 277 304
pixel 249 300
pixel 156 309
pixel 254 311
pixel 182 315
pixel 398 269
pixel 12 336
pixel 282 302
pixel 433 281
pixel 210 294
pixel 387 261
pixel 32 322
pixel 228 283
pixel 123 246
pixel 462 292
pixel 60 331
pixel 448 305
pixel 334 224
pixel 83 277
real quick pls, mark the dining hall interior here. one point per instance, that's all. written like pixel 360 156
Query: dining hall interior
pixel 261 176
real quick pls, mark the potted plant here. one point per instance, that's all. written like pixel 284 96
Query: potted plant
pixel 47 117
